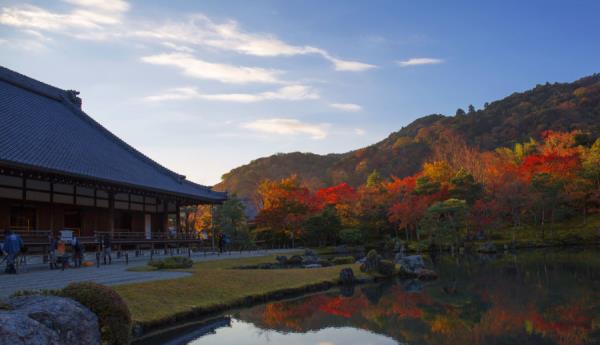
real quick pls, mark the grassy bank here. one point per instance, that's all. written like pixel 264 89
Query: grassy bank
pixel 217 285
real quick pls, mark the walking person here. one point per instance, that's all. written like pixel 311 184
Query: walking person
pixel 13 244
pixel 77 252
pixel 107 249
pixel 222 241
pixel 52 246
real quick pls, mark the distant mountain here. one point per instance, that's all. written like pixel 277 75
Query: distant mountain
pixel 516 118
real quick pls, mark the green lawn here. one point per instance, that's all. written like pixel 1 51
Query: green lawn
pixel 217 284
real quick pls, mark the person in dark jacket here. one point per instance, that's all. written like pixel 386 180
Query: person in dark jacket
pixel 221 243
pixel 107 249
pixel 13 244
pixel 77 252
pixel 52 246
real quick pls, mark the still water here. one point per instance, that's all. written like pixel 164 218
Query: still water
pixel 537 297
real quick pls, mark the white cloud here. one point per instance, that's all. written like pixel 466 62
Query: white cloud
pixel 420 61
pixel 352 66
pixel 288 127
pixel 287 93
pixel 201 30
pixel 201 69
pixel 103 19
pixel 360 131
pixel 349 107
pixel 89 19
pixel 179 48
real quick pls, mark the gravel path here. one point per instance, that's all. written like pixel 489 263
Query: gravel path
pixel 38 276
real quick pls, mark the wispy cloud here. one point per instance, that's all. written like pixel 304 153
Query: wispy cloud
pixel 360 131
pixel 201 30
pixel 196 68
pixel 288 127
pixel 89 19
pixel 349 107
pixel 420 61
pixel 287 93
pixel 103 19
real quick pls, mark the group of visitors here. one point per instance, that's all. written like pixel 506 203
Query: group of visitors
pixel 58 255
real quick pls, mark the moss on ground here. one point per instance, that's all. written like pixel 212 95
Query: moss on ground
pixel 217 285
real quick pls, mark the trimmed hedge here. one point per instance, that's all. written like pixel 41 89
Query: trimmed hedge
pixel 112 311
pixel 172 262
pixel 343 260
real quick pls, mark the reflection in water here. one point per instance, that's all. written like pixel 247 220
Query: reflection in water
pixel 530 298
pixel 242 332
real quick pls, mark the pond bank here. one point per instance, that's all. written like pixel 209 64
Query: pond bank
pixel 215 287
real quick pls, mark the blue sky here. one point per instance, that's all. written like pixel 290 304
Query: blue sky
pixel 205 86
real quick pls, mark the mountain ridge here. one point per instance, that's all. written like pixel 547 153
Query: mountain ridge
pixel 504 122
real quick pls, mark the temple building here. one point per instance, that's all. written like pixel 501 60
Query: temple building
pixel 60 169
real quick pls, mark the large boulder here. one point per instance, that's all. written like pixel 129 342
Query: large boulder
pixel 18 329
pixel 282 259
pixel 295 260
pixel 74 323
pixel 411 263
pixel 311 257
pixel 48 320
pixel 347 276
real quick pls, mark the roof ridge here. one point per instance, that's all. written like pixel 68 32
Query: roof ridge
pixel 75 109
pixel 28 83
pixel 68 97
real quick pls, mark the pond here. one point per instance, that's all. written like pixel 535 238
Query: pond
pixel 535 297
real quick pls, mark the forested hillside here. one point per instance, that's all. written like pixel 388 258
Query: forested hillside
pixel 517 118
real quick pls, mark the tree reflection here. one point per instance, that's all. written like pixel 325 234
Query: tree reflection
pixel 531 298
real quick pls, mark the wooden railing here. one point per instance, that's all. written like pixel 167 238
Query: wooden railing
pixel 141 236
pixel 29 235
pixel 41 236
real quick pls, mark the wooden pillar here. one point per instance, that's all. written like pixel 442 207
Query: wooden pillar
pixel 52 208
pixel 177 216
pixel 165 217
pixel 111 213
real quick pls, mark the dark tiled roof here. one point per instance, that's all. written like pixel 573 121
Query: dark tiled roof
pixel 43 127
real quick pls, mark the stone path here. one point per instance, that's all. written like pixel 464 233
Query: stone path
pixel 38 276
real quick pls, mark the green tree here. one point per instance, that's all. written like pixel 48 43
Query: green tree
pixel 425 186
pixel 323 227
pixel 464 187
pixel 230 219
pixel 374 179
pixel 444 222
pixel 591 164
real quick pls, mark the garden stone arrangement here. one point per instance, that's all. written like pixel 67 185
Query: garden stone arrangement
pixel 310 259
pixel 37 319
pixel 413 266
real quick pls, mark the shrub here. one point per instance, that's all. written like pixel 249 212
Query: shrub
pixel 172 262
pixel 387 268
pixel 112 311
pixel 371 263
pixel 5 306
pixel 343 260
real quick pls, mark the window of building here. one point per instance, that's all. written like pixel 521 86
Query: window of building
pixel 23 218
pixel 122 221
pixel 72 219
